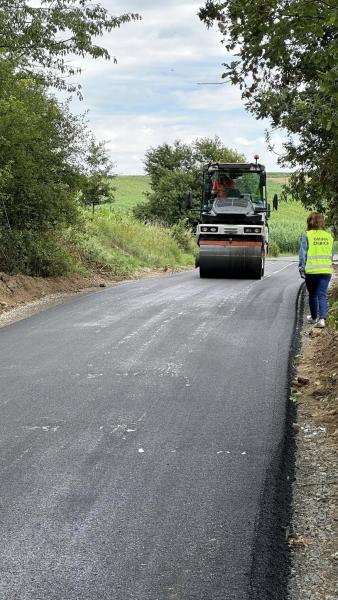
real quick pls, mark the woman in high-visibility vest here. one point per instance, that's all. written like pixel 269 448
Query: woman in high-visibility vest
pixel 315 265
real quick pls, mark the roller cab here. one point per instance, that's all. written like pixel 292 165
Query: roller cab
pixel 233 234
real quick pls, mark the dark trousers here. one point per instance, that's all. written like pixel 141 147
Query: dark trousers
pixel 317 286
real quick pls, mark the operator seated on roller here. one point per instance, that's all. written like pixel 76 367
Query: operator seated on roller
pixel 222 185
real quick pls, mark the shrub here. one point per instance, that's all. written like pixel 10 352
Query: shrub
pixel 182 235
pixel 35 254
pixel 273 248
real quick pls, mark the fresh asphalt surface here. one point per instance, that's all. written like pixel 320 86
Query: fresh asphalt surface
pixel 137 427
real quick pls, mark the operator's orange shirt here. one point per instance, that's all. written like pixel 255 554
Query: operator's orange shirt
pixel 217 186
pixel 220 187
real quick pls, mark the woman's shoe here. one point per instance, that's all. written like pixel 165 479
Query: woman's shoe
pixel 310 320
pixel 321 324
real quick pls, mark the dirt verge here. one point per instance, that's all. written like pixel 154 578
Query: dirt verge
pixel 313 536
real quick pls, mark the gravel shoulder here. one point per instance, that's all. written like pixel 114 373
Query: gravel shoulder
pixel 314 533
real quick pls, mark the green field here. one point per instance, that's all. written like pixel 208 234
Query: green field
pixel 129 191
pixel 275 183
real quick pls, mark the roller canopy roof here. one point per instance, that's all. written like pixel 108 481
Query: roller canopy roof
pixel 240 167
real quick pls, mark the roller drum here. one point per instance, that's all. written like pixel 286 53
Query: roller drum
pixel 231 261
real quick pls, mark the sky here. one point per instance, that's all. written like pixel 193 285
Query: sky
pixel 152 96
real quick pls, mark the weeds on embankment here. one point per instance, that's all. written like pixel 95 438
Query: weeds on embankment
pixel 121 245
pixel 106 242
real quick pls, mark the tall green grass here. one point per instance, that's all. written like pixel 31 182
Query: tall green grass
pixel 287 225
pixel 120 245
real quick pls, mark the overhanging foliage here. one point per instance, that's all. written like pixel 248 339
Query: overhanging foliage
pixel 38 39
pixel 287 72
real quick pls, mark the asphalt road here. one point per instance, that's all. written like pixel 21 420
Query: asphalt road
pixel 138 425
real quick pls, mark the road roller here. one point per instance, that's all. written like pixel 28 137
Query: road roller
pixel 233 235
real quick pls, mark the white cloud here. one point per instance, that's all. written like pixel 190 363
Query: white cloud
pixel 132 135
pixel 167 34
pixel 151 96
pixel 244 141
pixel 212 98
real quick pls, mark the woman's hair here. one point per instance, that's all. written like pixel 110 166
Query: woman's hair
pixel 315 221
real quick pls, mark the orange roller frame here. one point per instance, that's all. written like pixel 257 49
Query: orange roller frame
pixel 228 243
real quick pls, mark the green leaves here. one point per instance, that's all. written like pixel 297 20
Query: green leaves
pixel 38 40
pixel 287 72
pixel 96 186
pixel 40 144
pixel 175 170
pixel 45 157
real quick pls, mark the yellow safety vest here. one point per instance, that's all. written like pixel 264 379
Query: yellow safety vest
pixel 319 254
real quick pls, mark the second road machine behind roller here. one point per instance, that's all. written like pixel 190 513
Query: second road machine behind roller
pixel 233 236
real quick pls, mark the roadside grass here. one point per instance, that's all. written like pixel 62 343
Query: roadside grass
pixel 120 245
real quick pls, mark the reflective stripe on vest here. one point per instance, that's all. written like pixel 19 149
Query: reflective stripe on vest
pixel 319 257
pixel 327 256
